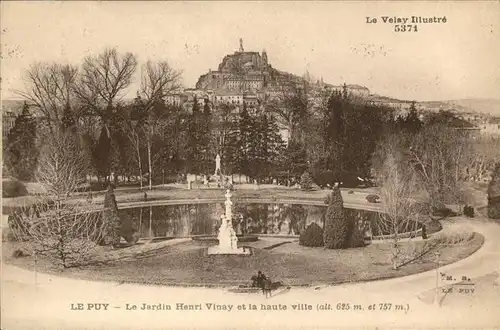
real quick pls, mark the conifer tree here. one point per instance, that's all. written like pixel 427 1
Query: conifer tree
pixel 336 229
pixel 494 194
pixel 21 153
pixel 111 219
pixel 102 155
pixel 246 140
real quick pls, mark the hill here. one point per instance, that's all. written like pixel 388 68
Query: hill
pixel 485 106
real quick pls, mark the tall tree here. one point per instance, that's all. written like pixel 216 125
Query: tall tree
pixel 49 88
pixel 246 141
pixel 158 79
pixel 494 194
pixel 437 154
pixel 292 107
pixel 21 152
pixel 336 228
pixel 397 187
pixel 103 81
pixel 101 84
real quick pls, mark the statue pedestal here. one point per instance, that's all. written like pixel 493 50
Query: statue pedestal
pixel 228 242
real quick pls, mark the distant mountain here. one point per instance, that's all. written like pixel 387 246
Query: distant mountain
pixel 486 106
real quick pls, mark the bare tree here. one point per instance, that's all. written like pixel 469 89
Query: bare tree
pixel 396 217
pixel 61 168
pixel 485 152
pixel 134 133
pixel 103 79
pixel 437 154
pixel 58 226
pixel 60 231
pixel 158 80
pixel 49 87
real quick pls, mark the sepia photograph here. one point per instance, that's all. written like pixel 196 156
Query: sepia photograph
pixel 250 165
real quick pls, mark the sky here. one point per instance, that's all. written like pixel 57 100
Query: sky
pixel 441 61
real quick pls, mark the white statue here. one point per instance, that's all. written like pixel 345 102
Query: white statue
pixel 217 164
pixel 229 205
pixel 228 241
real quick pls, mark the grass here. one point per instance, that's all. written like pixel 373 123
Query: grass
pixel 187 264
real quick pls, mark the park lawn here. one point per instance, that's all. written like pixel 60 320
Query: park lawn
pixel 187 264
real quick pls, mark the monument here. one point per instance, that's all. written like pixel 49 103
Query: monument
pixel 217 165
pixel 228 241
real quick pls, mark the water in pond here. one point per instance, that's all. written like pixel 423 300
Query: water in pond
pixel 255 218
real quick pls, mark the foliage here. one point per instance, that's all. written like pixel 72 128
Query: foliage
pixel 372 198
pixel 336 229
pixel 325 178
pixel 355 234
pixel 13 188
pixel 469 211
pixel 494 194
pixel 295 158
pixel 111 220
pixel 411 123
pixel 265 146
pixel 312 236
pixel 443 212
pixel 21 153
pixel 306 181
pixel 350 132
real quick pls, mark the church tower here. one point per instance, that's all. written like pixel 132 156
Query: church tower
pixel 264 57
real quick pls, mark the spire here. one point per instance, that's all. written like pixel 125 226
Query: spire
pixel 241 46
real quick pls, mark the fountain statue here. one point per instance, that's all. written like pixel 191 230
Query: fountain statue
pixel 217 165
pixel 228 241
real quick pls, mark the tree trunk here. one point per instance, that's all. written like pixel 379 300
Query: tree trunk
pixel 140 165
pixel 150 166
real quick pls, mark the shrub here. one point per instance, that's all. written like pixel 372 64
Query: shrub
pixel 335 234
pixel 13 189
pixel 350 192
pixel 132 238
pixel 306 181
pixel 312 236
pixel 432 226
pixel 325 178
pixel 356 237
pixel 20 253
pixel 372 198
pixel 454 236
pixel 494 194
pixel 421 208
pixel 443 212
pixel 469 211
